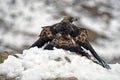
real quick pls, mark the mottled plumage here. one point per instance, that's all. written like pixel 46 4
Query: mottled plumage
pixel 67 36
pixel 49 32
pixel 44 37
pixel 82 40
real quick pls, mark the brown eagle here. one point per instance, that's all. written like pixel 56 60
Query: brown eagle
pixel 48 32
pixel 67 36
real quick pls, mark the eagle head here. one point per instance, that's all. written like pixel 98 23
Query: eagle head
pixel 69 19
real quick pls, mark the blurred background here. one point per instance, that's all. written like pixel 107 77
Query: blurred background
pixel 21 22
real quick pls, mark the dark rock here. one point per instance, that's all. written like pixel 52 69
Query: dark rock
pixel 58 59
pixel 67 59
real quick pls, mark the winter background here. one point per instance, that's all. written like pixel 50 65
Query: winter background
pixel 20 25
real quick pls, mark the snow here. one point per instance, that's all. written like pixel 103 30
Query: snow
pixel 38 64
pixel 24 17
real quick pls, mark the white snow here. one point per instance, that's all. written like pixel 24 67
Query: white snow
pixel 31 15
pixel 29 18
pixel 38 64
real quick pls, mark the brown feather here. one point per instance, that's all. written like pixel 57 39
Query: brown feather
pixel 46 32
pixel 83 35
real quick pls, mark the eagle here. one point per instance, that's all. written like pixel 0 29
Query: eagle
pixel 65 35
pixel 48 32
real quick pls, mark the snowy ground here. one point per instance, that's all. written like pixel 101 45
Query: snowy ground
pixel 38 64
pixel 21 22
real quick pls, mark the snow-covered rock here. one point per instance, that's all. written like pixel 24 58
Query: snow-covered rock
pixel 38 64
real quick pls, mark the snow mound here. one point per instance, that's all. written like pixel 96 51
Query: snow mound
pixel 38 64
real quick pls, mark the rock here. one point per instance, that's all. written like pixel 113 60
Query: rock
pixel 4 78
pixel 67 59
pixel 58 59
pixel 4 55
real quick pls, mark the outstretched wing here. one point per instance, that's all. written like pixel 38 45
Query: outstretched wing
pixel 81 39
pixel 44 37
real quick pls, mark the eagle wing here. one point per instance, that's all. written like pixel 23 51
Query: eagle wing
pixel 44 37
pixel 82 40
